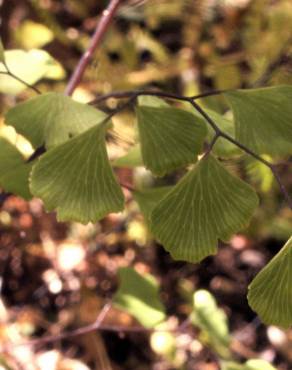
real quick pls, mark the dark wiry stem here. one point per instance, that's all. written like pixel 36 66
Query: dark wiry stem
pixel 210 121
pixel 129 94
pixel 205 116
pixel 12 75
pixel 270 165
pixel 211 145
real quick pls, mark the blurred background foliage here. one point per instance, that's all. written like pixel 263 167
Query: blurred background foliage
pixel 57 277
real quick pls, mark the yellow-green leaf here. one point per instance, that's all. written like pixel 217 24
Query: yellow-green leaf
pixel 30 66
pixel 170 138
pixel 212 321
pixel 270 293
pixel 76 179
pixel 14 171
pixel 152 101
pixel 206 205
pixel 253 364
pixel 33 35
pixel 258 364
pixel 139 295
pixel 52 119
pixel 262 115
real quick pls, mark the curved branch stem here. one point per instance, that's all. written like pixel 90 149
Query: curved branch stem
pixel 211 145
pixel 74 333
pixel 205 116
pixel 101 28
pixel 136 93
pixel 220 133
pixel 12 75
pixel 97 325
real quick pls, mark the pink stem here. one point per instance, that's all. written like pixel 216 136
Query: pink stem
pixel 101 28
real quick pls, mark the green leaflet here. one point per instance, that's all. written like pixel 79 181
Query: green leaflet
pixel 212 321
pixel 262 115
pixel 14 171
pixel 270 293
pixel 16 181
pixel 170 138
pixel 9 156
pixel 31 66
pixel 52 119
pixel 76 179
pixel 206 205
pixel 134 157
pixel 139 295
pixel 33 35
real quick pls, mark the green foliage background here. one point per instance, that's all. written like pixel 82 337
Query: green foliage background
pixel 224 46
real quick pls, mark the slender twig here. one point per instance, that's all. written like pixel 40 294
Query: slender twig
pixel 121 108
pixel 97 325
pixel 131 93
pixel 12 75
pixel 211 145
pixel 106 18
pixel 74 333
pixel 161 94
pixel 205 115
pixel 37 153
